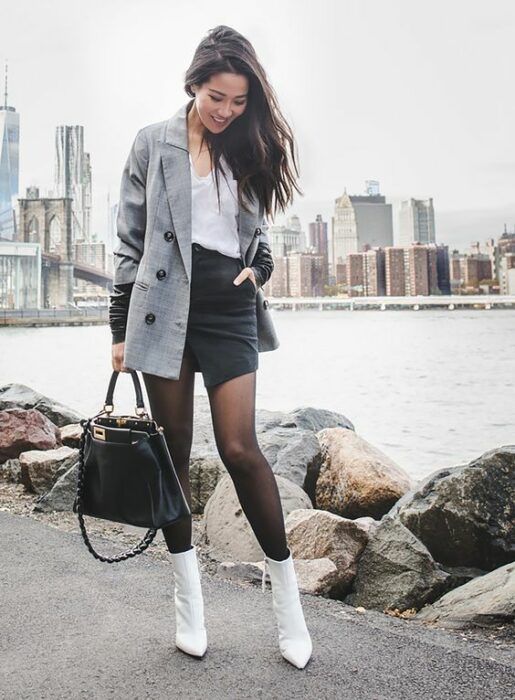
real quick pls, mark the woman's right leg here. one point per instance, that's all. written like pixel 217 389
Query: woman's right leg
pixel 171 405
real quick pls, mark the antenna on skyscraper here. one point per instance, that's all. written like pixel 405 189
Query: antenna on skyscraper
pixel 5 93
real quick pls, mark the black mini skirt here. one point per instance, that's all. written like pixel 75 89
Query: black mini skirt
pixel 221 336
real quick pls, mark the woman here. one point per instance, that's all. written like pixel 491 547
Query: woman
pixel 193 189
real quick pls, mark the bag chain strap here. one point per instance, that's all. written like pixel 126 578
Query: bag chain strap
pixel 138 548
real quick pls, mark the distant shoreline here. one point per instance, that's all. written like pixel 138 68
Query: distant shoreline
pixel 93 316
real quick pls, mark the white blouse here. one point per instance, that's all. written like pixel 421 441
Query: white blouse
pixel 213 228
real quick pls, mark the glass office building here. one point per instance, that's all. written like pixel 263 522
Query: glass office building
pixel 9 166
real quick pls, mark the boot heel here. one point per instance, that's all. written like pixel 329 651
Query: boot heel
pixel 190 633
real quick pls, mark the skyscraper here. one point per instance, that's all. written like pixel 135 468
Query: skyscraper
pixel 9 165
pixel 361 222
pixel 73 178
pixel 318 243
pixel 416 222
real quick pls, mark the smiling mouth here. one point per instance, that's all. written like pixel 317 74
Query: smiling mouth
pixel 219 121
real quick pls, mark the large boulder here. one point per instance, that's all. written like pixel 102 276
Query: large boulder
pixel 22 430
pixel 62 494
pixel 486 600
pixel 22 396
pixel 40 469
pixel 396 571
pixel 227 533
pixel 294 454
pixel 465 515
pixel 356 479
pixel 320 535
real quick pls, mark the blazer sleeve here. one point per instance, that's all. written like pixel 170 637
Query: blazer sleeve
pixel 132 212
pixel 263 264
pixel 119 301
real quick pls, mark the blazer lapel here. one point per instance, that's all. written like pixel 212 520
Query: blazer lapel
pixel 177 176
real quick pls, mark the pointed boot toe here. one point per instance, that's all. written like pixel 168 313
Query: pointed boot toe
pixel 299 652
pixel 193 644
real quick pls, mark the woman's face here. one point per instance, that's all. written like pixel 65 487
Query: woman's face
pixel 221 100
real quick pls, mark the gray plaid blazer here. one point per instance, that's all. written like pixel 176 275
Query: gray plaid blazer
pixel 153 248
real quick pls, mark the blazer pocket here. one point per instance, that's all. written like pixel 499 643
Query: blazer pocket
pixel 141 285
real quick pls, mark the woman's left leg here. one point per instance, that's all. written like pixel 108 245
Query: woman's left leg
pixel 233 413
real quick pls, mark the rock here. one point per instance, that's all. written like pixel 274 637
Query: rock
pixel 22 430
pixel 206 470
pixel 62 494
pixel 396 571
pixel 40 469
pixel 314 419
pixel 227 533
pixel 465 515
pixel 316 576
pixel 304 418
pixel 22 396
pixel 10 470
pixel 356 479
pixel 461 574
pixel 293 454
pixel 241 571
pixel 486 600
pixel 71 434
pixel 317 534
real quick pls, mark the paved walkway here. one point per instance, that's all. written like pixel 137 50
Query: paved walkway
pixel 73 627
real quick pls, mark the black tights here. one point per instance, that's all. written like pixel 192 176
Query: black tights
pixel 233 413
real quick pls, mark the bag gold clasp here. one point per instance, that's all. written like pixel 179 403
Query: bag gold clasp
pixel 99 432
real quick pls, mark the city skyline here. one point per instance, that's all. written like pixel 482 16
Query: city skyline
pixel 454 147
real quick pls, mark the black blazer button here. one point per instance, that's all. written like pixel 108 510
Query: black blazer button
pixel 258 232
pixel 266 303
pixel 150 318
pixel 161 274
pixel 169 235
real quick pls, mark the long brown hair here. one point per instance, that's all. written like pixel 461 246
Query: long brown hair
pixel 258 145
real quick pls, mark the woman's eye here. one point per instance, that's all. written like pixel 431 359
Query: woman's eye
pixel 219 99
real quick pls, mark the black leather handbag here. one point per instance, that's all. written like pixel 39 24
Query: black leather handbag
pixel 126 473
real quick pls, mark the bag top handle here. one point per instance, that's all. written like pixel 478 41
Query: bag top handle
pixel 140 405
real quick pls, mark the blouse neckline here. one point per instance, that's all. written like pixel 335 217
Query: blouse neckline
pixel 199 177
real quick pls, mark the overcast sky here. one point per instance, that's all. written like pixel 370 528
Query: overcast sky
pixel 416 94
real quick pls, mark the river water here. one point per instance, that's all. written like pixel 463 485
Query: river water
pixel 431 389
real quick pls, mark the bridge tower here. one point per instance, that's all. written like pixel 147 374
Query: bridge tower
pixel 48 221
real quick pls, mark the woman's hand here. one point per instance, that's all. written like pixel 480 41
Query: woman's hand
pixel 246 272
pixel 117 357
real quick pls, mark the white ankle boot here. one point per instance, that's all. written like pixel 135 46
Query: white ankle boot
pixel 294 639
pixel 190 634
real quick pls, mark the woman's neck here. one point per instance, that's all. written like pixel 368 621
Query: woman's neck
pixel 195 131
